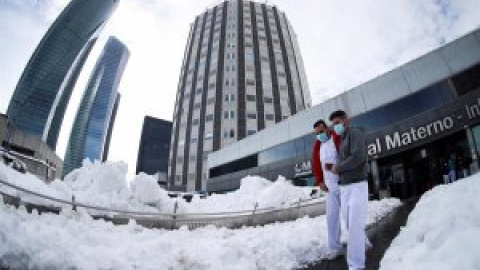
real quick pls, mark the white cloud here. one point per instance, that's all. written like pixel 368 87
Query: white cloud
pixel 343 43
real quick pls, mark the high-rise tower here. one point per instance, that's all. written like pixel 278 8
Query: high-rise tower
pixel 242 72
pixel 40 99
pixel 97 109
pixel 154 146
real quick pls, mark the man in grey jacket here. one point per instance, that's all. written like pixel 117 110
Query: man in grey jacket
pixel 352 170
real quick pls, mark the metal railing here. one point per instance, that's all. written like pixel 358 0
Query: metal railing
pixel 234 219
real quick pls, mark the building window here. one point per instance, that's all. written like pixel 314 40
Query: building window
pixel 229 97
pixel 251 115
pixel 467 81
pixel 199 90
pixel 251 98
pixel 229 134
pixel 267 100
pixel 193 158
pixel 211 100
pixel 196 106
pixel 193 140
pixel 195 122
pixel 209 117
pixel 208 136
pixel 180 159
pixel 250 82
pixel 251 132
pixel 228 114
pixel 269 117
pixel 211 86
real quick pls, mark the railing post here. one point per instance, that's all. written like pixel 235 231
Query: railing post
pixel 174 217
pixel 73 203
pixel 253 214
pixel 299 204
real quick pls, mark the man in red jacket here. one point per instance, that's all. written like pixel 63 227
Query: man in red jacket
pixel 324 157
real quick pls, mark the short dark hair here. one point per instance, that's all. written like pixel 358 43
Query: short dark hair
pixel 320 122
pixel 338 113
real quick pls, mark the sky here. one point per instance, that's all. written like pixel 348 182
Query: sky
pixel 343 43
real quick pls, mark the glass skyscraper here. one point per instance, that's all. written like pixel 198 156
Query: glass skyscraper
pixel 154 146
pixel 242 72
pixel 106 149
pixel 97 108
pixel 42 94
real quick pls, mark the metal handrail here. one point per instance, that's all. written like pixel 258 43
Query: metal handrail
pixel 158 214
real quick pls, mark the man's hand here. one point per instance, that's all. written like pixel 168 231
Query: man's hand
pixel 323 187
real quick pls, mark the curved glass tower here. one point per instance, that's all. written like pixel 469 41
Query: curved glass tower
pixel 242 72
pixel 40 99
pixel 97 109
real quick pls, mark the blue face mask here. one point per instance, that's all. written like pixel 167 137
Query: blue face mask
pixel 339 128
pixel 322 137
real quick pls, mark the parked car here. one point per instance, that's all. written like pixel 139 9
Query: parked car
pixel 12 161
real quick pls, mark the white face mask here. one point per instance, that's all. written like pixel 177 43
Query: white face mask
pixel 322 137
pixel 339 128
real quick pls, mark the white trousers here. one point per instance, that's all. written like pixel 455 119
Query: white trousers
pixel 333 212
pixel 354 200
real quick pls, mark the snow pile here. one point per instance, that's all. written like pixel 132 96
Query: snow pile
pixel 442 232
pixel 56 189
pixel 75 241
pixel 145 188
pixel 106 185
pixel 253 189
pixel 382 207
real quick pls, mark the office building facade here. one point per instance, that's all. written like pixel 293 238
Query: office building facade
pixel 37 156
pixel 42 94
pixel 154 148
pixel 96 113
pixel 418 118
pixel 111 125
pixel 242 72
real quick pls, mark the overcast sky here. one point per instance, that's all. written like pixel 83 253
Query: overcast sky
pixel 343 42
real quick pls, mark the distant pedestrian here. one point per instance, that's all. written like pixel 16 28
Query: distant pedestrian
pixel 462 166
pixel 352 170
pixel 445 170
pixel 452 169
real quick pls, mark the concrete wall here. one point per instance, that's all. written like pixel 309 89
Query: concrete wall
pixel 407 79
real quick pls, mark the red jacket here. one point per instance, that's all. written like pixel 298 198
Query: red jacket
pixel 316 166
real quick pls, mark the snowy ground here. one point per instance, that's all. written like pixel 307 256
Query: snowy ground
pixel 107 185
pixel 442 232
pixel 75 241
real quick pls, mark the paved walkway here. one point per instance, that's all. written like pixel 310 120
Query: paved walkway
pixel 381 235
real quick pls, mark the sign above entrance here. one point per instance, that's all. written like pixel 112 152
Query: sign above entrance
pixel 425 127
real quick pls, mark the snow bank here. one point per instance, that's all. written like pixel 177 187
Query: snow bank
pixel 106 184
pixel 442 232
pixel 75 241
pixel 253 189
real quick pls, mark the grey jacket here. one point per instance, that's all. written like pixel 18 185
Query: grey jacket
pixel 352 165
